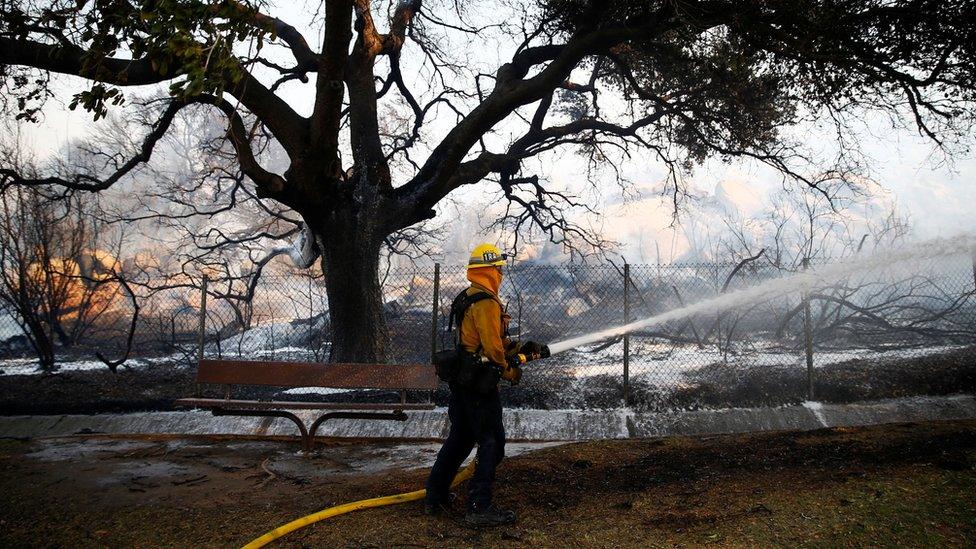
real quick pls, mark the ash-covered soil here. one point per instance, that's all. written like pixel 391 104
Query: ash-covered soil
pixel 154 387
pixel 96 391
pixel 898 485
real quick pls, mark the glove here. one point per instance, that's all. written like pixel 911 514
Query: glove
pixel 516 375
pixel 534 351
pixel 514 372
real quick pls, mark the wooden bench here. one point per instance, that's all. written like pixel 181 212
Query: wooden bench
pixel 230 373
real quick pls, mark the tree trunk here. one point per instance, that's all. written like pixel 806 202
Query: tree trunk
pixel 40 339
pixel 64 339
pixel 350 262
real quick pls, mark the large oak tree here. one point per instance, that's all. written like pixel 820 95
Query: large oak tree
pixel 685 80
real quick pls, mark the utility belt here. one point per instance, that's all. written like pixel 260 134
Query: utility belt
pixel 466 370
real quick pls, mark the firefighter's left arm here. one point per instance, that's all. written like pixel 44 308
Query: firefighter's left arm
pixel 486 315
pixel 488 320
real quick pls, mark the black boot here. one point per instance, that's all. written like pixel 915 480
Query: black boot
pixel 489 516
pixel 438 507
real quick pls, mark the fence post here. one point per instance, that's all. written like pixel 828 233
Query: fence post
pixel 435 309
pixel 311 313
pixel 203 319
pixel 627 335
pixel 808 334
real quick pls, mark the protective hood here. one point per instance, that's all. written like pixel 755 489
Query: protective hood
pixel 487 277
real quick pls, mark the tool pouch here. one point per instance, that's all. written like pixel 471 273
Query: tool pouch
pixel 477 376
pixel 447 364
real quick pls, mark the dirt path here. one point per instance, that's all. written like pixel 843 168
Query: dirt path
pixel 910 484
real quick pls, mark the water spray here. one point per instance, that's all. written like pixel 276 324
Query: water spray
pixel 793 283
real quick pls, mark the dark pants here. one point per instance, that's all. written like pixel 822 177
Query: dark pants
pixel 475 419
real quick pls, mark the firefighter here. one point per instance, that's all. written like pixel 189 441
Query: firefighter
pixel 486 354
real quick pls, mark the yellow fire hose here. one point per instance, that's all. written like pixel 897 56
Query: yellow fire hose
pixel 330 512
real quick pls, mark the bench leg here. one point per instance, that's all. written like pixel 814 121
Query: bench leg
pixel 398 415
pixel 306 439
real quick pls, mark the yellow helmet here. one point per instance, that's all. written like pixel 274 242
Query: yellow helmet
pixel 486 255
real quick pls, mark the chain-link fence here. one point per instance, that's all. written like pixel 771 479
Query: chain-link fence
pixel 867 334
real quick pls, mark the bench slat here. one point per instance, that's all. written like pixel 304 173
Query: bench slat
pixel 315 374
pixel 294 405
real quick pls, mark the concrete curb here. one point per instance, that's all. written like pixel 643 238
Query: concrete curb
pixel 519 424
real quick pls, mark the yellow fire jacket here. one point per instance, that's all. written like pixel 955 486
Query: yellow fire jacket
pixel 484 326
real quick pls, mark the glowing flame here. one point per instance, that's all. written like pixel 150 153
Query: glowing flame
pixel 78 287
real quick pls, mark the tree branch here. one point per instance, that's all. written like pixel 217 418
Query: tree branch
pixel 269 184
pixel 89 182
pixel 305 59
pixel 329 89
pixel 288 127
pixel 433 181
pixel 72 60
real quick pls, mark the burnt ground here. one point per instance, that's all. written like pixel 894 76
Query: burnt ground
pixel 905 485
pixel 716 386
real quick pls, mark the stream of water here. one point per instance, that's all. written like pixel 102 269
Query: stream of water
pixel 794 283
